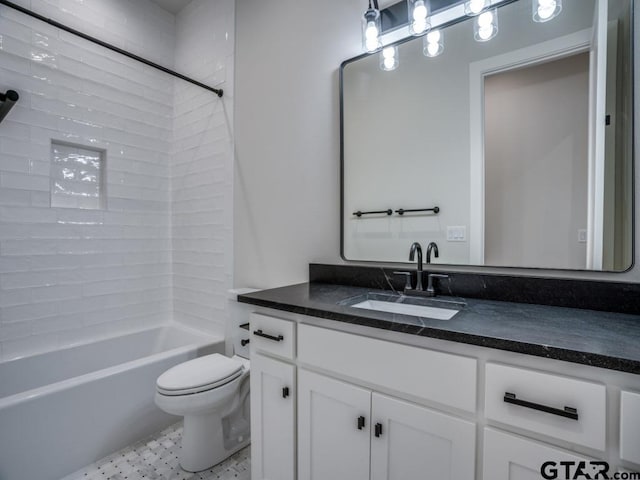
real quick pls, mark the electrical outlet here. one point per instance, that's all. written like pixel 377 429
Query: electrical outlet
pixel 457 234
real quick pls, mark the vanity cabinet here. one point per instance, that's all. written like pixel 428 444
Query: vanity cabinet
pixel 369 408
pixel 630 426
pixel 511 457
pixel 352 433
pixel 273 398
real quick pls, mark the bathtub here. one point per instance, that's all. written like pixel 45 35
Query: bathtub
pixel 62 410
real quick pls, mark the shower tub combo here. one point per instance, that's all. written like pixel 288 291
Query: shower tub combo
pixel 62 410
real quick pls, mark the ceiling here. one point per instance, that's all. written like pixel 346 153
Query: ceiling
pixel 173 6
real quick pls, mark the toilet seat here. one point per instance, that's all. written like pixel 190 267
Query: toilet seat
pixel 199 375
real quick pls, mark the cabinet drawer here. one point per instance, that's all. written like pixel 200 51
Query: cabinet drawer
pixel 630 427
pixel 440 377
pixel 273 335
pixel 536 401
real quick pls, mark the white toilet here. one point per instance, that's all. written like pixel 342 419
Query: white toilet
pixel 212 393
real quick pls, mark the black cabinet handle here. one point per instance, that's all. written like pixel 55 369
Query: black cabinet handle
pixel 285 392
pixel 260 333
pixel 378 430
pixel 244 342
pixel 568 412
pixel 360 422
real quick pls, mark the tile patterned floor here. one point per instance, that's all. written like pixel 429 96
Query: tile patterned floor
pixel 156 458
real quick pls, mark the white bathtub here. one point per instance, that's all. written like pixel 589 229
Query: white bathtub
pixel 62 410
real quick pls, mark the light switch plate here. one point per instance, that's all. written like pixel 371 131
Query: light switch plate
pixel 582 236
pixel 457 234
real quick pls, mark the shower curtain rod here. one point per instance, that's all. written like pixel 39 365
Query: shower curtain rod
pixel 133 56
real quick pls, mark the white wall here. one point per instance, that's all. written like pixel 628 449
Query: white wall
pixel 68 274
pixel 287 140
pixel 202 165
pixel 287 193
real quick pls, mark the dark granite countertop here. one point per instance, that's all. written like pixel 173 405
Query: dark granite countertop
pixel 600 339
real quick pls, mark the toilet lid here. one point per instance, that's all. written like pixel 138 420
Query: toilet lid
pixel 199 374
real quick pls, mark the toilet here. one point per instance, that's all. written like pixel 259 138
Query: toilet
pixel 212 394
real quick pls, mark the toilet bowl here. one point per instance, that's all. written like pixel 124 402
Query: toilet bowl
pixel 212 393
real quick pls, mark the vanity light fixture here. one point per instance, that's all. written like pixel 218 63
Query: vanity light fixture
pixel 433 44
pixel 389 58
pixel 485 26
pixel 545 10
pixel 371 28
pixel 418 13
pixel 475 7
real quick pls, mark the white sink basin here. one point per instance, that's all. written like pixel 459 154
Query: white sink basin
pixel 407 309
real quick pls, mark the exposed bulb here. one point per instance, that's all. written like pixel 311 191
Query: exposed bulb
pixel 433 49
pixel 419 26
pixel 371 33
pixel 420 11
pixel 475 6
pixel 485 33
pixel 389 52
pixel 546 9
pixel 434 37
pixel 389 59
pixel 485 20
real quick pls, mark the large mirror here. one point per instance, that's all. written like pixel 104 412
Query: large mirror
pixel 515 152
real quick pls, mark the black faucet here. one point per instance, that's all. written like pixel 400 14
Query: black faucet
pixel 412 254
pixel 432 247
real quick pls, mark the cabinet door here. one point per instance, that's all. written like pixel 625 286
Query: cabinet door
pixel 507 457
pixel 333 429
pixel 272 419
pixel 413 442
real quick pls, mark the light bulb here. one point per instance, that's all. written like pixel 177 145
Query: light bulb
pixel 372 44
pixel 371 33
pixel 485 20
pixel 476 6
pixel 389 63
pixel 433 49
pixel 434 36
pixel 485 33
pixel 389 52
pixel 420 11
pixel 419 26
pixel 545 10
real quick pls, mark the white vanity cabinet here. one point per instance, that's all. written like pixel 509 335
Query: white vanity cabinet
pixel 511 457
pixel 273 399
pixel 630 426
pixel 371 407
pixel 347 432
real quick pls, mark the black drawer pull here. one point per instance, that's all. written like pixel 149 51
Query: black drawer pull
pixel 568 412
pixel 360 422
pixel 244 342
pixel 260 333
pixel 378 430
pixel 285 392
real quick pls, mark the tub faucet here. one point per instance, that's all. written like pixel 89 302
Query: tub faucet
pixel 432 247
pixel 412 254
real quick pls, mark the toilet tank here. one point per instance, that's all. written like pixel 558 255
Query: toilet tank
pixel 238 315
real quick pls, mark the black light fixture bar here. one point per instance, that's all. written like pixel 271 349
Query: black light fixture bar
pixel 109 46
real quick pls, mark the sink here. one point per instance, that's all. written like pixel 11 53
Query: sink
pixel 405 305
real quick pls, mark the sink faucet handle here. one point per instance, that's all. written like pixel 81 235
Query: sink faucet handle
pixel 430 290
pixel 407 281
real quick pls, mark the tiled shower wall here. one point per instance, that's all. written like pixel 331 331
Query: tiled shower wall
pixel 202 165
pixel 67 274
